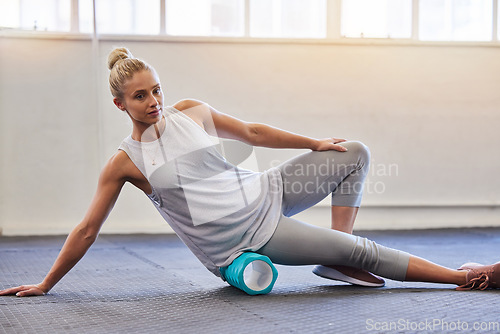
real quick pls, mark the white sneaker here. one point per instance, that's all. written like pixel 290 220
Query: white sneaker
pixel 350 275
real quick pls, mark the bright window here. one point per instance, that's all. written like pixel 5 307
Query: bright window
pixel 46 15
pixel 439 20
pixel 86 13
pixel 128 17
pixel 288 18
pixel 456 20
pixel 498 23
pixel 376 18
pixel 205 17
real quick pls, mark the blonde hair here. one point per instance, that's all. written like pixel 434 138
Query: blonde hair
pixel 123 65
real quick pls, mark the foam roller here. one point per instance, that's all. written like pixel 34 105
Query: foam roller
pixel 253 273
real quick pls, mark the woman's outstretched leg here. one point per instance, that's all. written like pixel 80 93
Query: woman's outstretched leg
pixel 298 243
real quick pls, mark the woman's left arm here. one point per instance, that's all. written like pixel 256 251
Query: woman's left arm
pixel 268 136
pixel 257 134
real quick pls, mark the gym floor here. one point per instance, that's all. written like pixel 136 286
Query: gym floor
pixel 153 284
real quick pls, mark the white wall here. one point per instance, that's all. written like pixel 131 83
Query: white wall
pixel 430 115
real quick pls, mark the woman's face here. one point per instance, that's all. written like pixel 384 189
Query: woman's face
pixel 142 98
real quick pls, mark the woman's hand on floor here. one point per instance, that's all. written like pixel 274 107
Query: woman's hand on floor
pixel 23 291
pixel 330 144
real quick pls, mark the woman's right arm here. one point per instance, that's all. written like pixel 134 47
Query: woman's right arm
pixel 85 233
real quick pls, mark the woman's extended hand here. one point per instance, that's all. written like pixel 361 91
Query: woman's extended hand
pixel 24 291
pixel 330 144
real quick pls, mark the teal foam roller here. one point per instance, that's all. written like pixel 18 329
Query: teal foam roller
pixel 251 272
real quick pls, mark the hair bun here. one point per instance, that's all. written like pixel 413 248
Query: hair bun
pixel 118 54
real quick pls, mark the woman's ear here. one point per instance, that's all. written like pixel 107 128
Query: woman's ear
pixel 118 103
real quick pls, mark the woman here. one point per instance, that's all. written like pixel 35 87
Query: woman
pixel 220 210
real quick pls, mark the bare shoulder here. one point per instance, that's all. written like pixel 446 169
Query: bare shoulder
pixel 186 104
pixel 198 111
pixel 121 169
pixel 117 167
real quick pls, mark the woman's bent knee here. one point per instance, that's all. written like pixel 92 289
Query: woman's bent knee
pixel 358 149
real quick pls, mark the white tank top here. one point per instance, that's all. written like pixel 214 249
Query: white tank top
pixel 219 210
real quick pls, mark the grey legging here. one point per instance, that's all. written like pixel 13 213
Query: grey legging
pixel 309 178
